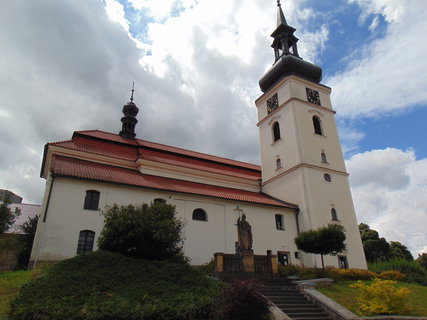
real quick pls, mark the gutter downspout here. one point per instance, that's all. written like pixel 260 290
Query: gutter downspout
pixel 44 222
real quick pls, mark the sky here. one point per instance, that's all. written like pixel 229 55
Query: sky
pixel 69 65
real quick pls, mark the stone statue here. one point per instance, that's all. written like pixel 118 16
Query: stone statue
pixel 244 233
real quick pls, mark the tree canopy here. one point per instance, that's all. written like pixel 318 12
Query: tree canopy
pixel 7 216
pixel 378 249
pixel 324 240
pixel 151 232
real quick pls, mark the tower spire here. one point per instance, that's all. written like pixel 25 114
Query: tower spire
pixel 130 110
pixel 280 16
pixel 286 58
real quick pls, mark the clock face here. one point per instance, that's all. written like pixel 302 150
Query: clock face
pixel 272 103
pixel 313 96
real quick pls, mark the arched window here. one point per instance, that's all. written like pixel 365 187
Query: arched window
pixel 323 157
pixel 159 200
pixel 334 214
pixel 327 177
pixel 86 240
pixel 278 163
pixel 317 126
pixel 276 131
pixel 200 214
pixel 279 222
pixel 91 200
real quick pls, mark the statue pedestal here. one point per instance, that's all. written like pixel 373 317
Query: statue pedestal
pixel 248 263
pixel 261 266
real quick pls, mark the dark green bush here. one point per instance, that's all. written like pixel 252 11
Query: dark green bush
pixel 242 299
pixel 151 232
pixel 404 266
pixel 105 285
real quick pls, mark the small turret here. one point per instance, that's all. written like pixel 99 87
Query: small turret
pixel 130 110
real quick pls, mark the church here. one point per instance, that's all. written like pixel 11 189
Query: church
pixel 301 183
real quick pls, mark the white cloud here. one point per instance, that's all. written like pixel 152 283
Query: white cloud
pixel 392 10
pixel 390 194
pixel 116 13
pixel 389 76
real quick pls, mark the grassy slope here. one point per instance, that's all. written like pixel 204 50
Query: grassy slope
pixel 104 285
pixel 346 296
pixel 10 283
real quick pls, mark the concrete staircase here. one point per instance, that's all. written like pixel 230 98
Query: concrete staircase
pixel 288 298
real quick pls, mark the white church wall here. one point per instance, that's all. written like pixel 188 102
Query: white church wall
pixel 66 218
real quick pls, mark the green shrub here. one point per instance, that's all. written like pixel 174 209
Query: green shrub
pixel 151 232
pixel 416 278
pixel 289 270
pixel 404 266
pixel 105 285
pixel 242 299
pixel 208 268
pixel 381 297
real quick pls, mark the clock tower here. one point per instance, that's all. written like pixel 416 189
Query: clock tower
pixel 301 156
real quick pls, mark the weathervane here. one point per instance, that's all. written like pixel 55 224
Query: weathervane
pixel 278 3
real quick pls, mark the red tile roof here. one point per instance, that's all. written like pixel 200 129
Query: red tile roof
pixel 197 164
pixel 147 144
pixel 100 147
pixel 69 167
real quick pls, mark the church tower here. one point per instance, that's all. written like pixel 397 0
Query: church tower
pixel 301 156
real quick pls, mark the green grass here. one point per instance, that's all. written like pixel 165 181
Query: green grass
pixel 341 293
pixel 10 284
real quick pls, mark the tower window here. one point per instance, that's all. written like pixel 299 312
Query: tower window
pixel 279 222
pixel 91 200
pixel 327 177
pixel 317 125
pixel 276 131
pixel 278 163
pixel 86 240
pixel 334 214
pixel 200 214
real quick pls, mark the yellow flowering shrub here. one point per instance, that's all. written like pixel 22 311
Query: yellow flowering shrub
pixel 392 275
pixel 381 297
pixel 352 274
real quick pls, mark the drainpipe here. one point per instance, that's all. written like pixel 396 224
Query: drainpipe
pixel 43 222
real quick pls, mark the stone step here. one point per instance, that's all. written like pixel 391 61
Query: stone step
pixel 324 317
pixel 295 305
pixel 311 309
pixel 298 307
pixel 289 289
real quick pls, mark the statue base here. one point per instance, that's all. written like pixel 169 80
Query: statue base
pixel 259 266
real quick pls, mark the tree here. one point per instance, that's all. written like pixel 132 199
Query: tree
pixel 29 228
pixel 151 232
pixel 400 251
pixel 7 217
pixel 324 240
pixel 422 260
pixel 376 248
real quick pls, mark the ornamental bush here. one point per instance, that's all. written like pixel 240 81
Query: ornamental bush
pixel 242 299
pixel 151 232
pixel 392 275
pixel 381 297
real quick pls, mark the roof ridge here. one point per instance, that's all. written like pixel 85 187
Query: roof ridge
pixel 182 151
